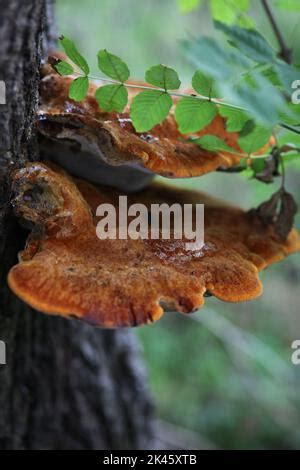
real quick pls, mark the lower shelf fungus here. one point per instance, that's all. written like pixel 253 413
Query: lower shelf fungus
pixel 67 270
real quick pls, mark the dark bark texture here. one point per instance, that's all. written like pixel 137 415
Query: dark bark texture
pixel 65 385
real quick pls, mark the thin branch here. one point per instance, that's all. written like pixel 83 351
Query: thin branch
pixel 172 93
pixel 282 165
pixel 182 95
pixel 177 94
pixel 290 128
pixel 285 51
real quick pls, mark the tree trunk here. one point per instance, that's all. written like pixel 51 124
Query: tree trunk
pixel 65 385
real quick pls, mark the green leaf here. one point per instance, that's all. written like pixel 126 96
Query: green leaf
pixel 248 41
pixel 79 88
pixel 293 160
pixel 73 54
pixel 269 71
pixel 253 137
pixel 291 156
pixel 150 108
pixel 225 64
pixel 112 97
pixel 204 85
pixel 216 58
pixel 245 21
pixel 192 114
pixel 235 119
pixel 291 115
pixel 290 5
pixel 287 74
pixel 64 68
pixel 188 5
pixel 112 66
pixel 262 100
pixel 163 77
pixel 286 137
pixel 258 165
pixel 228 10
pixel 213 143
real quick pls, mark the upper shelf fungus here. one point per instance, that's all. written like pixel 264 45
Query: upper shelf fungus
pixel 67 270
pixel 109 139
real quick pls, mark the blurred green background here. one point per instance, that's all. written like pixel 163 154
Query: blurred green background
pixel 223 377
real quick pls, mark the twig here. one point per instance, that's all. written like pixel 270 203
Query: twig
pixel 282 171
pixel 290 128
pixel 285 52
pixel 172 93
pixel 180 95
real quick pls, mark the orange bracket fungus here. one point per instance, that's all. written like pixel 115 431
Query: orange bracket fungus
pixel 113 152
pixel 67 270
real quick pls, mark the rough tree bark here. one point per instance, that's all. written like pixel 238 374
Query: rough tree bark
pixel 65 385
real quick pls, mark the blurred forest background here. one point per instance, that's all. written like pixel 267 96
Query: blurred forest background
pixel 223 377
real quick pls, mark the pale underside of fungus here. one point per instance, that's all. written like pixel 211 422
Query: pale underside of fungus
pixel 113 153
pixel 67 270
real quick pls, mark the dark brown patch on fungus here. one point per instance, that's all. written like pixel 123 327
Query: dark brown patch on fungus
pixel 66 270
